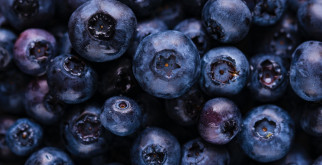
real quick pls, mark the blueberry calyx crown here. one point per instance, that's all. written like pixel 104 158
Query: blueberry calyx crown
pixel 266 9
pixel 88 128
pixel 154 155
pixel 282 42
pixel 223 71
pixel 195 151
pixel 122 105
pixel 74 66
pixel 23 135
pixel 26 8
pixel 270 74
pixel 264 128
pixel 165 64
pixel 40 50
pixel 101 26
pixel 216 30
pixel 229 127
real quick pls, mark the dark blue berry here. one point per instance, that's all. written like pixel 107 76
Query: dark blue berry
pixel 144 29
pixel 24 136
pixel 84 135
pixel 71 79
pixel 101 30
pixel 121 115
pixel 220 121
pixel 5 123
pixel 185 110
pixel 143 8
pixel 224 71
pixel 268 78
pixel 23 14
pixel 194 29
pixel 227 21
pixel 198 152
pixel 171 12
pixel 40 105
pixel 310 19
pixel 306 71
pixel 155 146
pixel 267 133
pixel 49 156
pixel 7 39
pixel 166 64
pixel 33 50
pixel 311 120
pixel 268 12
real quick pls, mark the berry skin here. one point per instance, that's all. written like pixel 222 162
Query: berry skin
pixel 267 133
pixel 121 115
pixel 198 152
pixel 220 121
pixel 306 71
pixel 101 30
pixel 268 78
pixel 227 21
pixel 33 50
pixel 268 12
pixel 24 136
pixel 7 39
pixel 70 79
pixel 40 105
pixel 49 156
pixel 185 110
pixel 143 8
pixel 155 146
pixel 194 29
pixel 22 14
pixel 84 135
pixel 224 71
pixel 144 29
pixel 311 120
pixel 309 19
pixel 166 64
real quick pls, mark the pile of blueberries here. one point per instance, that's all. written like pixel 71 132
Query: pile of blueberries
pixel 160 82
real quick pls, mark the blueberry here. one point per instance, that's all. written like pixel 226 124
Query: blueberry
pixel 268 12
pixel 298 155
pixel 143 8
pixel 40 105
pixel 268 78
pixel 101 30
pixel 70 79
pixel 119 79
pixel 74 4
pixel 23 14
pixel 309 19
pixel 24 136
pixel 296 4
pixel 185 110
pixel 306 71
pixel 224 71
pixel 155 146
pixel 144 29
pixel 200 153
pixel 267 133
pixel 220 121
pixel 194 29
pixel 84 135
pixel 12 88
pixel 171 13
pixel 166 64
pixel 227 21
pixel 33 50
pixel 7 39
pixel 49 156
pixel 311 120
pixel 121 115
pixel 5 123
